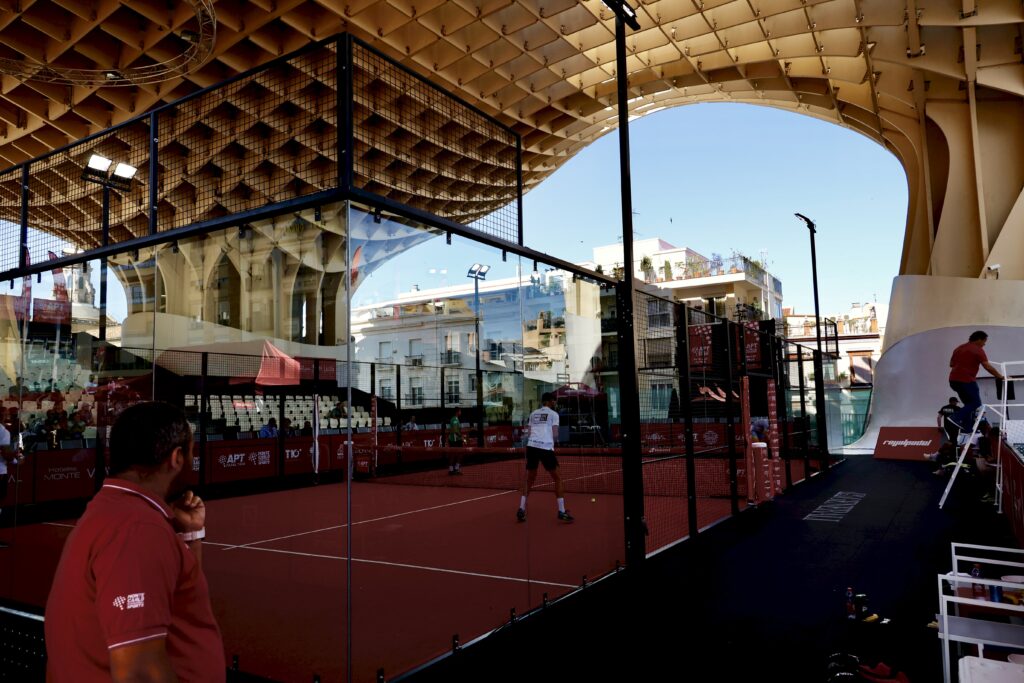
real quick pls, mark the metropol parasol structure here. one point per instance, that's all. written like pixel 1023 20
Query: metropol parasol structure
pixel 938 83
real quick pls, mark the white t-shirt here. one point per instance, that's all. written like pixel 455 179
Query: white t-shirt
pixel 5 441
pixel 541 423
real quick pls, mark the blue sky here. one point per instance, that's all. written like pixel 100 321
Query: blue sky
pixel 730 176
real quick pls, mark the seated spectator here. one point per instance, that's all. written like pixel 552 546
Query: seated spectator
pixel 759 431
pixel 307 429
pixel 269 430
pixel 337 411
pixel 286 427
pixel 987 461
pixel 945 457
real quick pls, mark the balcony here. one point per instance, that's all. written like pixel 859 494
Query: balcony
pixel 698 268
pixel 415 360
pixel 451 358
pixel 609 324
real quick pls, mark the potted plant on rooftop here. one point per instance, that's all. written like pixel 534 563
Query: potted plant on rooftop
pixel 716 263
pixel 647 267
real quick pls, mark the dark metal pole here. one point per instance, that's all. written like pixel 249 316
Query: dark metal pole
pixel 204 403
pixel 683 364
pixel 479 373
pixel 632 465
pixel 105 228
pixel 153 170
pixel 398 413
pixel 819 358
pixel 819 364
pixel 730 420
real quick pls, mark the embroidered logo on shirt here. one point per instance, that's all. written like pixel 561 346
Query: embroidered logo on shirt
pixel 119 602
pixel 136 600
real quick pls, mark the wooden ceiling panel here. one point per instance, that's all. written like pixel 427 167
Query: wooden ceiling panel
pixel 544 66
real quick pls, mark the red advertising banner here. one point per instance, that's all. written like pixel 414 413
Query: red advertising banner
pixel 245 459
pixel 19 484
pixel 752 343
pixel 700 345
pixel 773 438
pixel 64 475
pixel 190 475
pixel 298 454
pixel 13 307
pixel 906 443
pixel 50 311
pixel 1013 491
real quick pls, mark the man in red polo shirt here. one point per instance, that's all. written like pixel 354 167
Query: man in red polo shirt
pixel 963 377
pixel 129 601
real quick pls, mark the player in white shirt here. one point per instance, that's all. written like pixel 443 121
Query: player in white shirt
pixel 8 451
pixel 540 448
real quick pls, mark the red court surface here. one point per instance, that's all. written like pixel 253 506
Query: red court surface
pixel 428 562
pixel 432 556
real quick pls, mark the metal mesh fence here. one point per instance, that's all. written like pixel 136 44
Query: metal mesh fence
pixel 10 218
pixel 421 147
pixel 263 139
pixel 266 139
pixel 66 209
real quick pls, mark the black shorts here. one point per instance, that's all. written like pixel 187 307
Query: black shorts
pixel 539 455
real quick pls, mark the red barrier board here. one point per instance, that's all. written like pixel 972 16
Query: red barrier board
pixel 19 484
pixel 50 311
pixel 64 475
pixel 298 454
pixel 906 443
pixel 1013 491
pixel 700 346
pixel 190 475
pixel 752 344
pixel 237 460
pixel 773 438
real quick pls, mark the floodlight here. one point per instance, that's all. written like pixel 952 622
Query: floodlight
pixel 624 12
pixel 99 163
pixel 125 171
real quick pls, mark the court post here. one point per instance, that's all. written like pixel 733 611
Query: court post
pixel 730 422
pixel 683 365
pixel 805 450
pixel 629 398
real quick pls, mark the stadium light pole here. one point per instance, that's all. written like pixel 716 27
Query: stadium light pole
pixel 632 472
pixel 814 276
pixel 478 272
pixel 819 361
pixel 110 175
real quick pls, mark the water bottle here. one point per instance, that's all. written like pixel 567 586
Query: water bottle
pixel 977 589
pixel 851 611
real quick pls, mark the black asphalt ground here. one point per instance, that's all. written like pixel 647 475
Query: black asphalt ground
pixel 761 597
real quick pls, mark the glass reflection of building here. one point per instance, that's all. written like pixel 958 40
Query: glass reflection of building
pixel 540 325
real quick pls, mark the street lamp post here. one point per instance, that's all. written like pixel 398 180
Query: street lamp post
pixel 819 361
pixel 632 472
pixel 478 272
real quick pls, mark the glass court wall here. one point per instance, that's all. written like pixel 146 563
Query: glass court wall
pixel 333 286
pixel 335 364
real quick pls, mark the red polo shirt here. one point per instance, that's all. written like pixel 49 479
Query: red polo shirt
pixel 125 577
pixel 967 358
